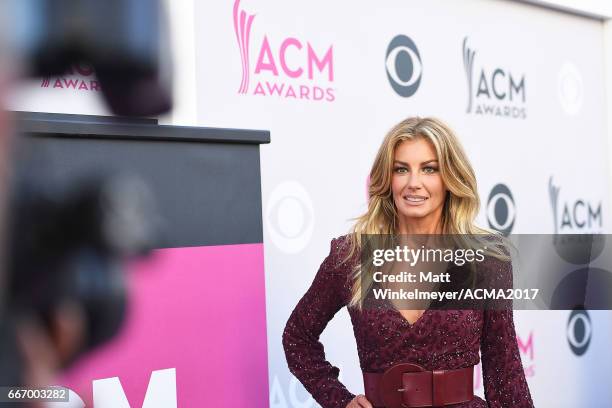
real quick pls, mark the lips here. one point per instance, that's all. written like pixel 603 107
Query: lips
pixel 414 199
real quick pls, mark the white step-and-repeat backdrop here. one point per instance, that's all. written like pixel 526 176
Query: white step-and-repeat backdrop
pixel 523 88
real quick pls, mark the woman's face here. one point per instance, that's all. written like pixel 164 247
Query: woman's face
pixel 418 189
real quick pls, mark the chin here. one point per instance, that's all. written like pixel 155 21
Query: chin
pixel 415 213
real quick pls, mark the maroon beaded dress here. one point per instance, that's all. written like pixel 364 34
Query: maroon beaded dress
pixel 438 340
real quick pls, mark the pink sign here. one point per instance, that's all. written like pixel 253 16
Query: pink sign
pixel 199 311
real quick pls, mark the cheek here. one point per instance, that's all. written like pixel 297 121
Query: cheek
pixel 396 184
pixel 436 186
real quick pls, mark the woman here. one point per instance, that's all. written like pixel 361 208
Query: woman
pixel 421 183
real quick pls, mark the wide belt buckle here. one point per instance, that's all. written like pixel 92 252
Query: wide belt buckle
pixel 407 385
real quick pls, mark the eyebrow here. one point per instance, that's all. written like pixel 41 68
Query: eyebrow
pixel 425 162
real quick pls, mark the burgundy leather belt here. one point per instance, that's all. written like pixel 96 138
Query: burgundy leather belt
pixel 410 385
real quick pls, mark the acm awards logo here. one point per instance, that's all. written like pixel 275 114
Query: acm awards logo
pixel 579 331
pixel 108 392
pixel 525 346
pixel 528 358
pixel 289 68
pixel 493 91
pixel 574 215
pixel 579 241
pixel 404 66
pixel 79 77
pixel 501 211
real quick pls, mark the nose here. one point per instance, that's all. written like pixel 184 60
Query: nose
pixel 414 181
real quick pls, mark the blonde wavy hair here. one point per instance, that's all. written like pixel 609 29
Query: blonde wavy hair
pixel 462 201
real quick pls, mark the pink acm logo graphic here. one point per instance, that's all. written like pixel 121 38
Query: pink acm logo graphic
pixel 525 345
pixel 527 353
pixel 79 77
pixel 291 68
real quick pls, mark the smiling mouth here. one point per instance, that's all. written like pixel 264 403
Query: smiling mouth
pixel 415 199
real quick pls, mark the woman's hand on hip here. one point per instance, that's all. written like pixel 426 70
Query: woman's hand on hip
pixel 360 401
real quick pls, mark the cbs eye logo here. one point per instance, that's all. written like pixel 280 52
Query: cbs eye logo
pixel 403 64
pixel 501 211
pixel 290 217
pixel 579 331
pixel 570 88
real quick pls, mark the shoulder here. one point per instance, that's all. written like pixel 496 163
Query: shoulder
pixel 496 269
pixel 341 243
pixel 341 248
pixel 498 251
pixel 342 259
pixel 493 248
pixel 341 262
pixel 497 240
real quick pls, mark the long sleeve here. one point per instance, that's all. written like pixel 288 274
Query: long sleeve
pixel 503 376
pixel 304 352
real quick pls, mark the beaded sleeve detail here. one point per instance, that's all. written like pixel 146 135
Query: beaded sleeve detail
pixel 305 353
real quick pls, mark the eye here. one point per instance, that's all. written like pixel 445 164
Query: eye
pixel 429 170
pixel 400 170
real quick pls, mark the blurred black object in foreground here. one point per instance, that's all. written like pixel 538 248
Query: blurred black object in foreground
pixel 66 249
pixel 126 41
